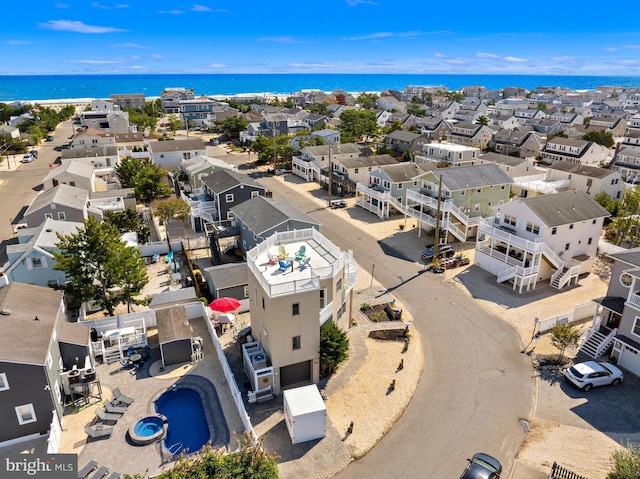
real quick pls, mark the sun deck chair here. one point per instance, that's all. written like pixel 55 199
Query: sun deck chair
pixel 301 253
pixel 107 416
pixel 304 263
pixel 96 431
pixel 114 408
pixel 282 253
pixel 284 266
pixel 100 473
pixel 121 398
pixel 272 259
pixel 86 470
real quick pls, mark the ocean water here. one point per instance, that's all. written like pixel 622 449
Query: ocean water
pixel 56 87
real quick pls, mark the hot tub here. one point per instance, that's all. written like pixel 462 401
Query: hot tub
pixel 148 429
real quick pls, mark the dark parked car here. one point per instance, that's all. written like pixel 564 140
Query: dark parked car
pixel 482 466
pixel 444 251
pixel 338 204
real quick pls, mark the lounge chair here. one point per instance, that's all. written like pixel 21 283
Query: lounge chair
pixel 304 263
pixel 284 266
pixel 115 475
pixel 282 253
pixel 121 398
pixel 114 408
pixel 301 253
pixel 272 259
pixel 96 431
pixel 100 473
pixel 87 469
pixel 107 416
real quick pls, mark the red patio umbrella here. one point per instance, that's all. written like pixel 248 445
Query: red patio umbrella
pixel 224 305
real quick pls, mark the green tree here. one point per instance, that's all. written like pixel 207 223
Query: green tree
pixel 482 120
pixel 146 179
pixel 626 463
pixel 542 106
pixel 99 265
pixel 416 109
pixel 126 221
pixel 232 126
pixel 173 208
pixel 143 119
pixel 264 146
pixel 563 336
pixel 358 124
pixel 604 138
pixel 625 224
pixel 319 108
pixel 174 123
pixel 393 126
pixel 334 347
pixel 127 169
pixel 368 100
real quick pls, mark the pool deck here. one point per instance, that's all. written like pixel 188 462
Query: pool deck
pixel 117 452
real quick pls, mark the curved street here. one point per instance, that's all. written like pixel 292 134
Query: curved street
pixel 476 385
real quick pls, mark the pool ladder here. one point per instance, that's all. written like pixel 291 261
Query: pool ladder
pixel 173 454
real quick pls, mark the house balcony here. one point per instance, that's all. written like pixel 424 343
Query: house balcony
pixel 510 237
pixel 376 192
pixel 634 299
pixel 540 184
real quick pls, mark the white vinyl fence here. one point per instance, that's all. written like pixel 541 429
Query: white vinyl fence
pixel 580 313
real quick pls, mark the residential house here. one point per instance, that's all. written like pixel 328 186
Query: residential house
pixel 223 189
pixel 615 328
pixel 434 129
pixel 627 162
pixel 107 121
pixel 88 137
pixel 10 131
pixel 551 237
pixel 116 200
pixel 260 217
pixel 614 125
pixel 17 120
pixel 470 115
pixel 99 157
pixel 198 167
pixel 203 112
pixel 62 202
pixel 467 195
pixel 128 101
pixel 590 179
pixel 567 118
pixel 383 118
pixel 470 134
pixel 72 173
pixel 574 151
pixel 448 154
pixel 356 170
pixel 290 305
pixel 387 186
pixel 546 126
pixel 505 120
pixel 171 153
pixel 31 260
pixel 522 142
pixel 529 114
pixel 443 111
pixel 403 141
pixel 38 351
pixel 390 103
pixel 631 138
pixel 170 98
pixel 313 162
pixel 409 92
pixel 514 166
pixel 327 135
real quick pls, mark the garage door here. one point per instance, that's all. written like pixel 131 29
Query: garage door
pixel 630 359
pixel 295 373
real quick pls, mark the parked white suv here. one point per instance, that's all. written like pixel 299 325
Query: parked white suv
pixel 28 158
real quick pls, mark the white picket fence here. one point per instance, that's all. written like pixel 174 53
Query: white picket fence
pixel 580 312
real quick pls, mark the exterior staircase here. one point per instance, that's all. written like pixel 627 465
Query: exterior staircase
pixel 562 276
pixel 596 343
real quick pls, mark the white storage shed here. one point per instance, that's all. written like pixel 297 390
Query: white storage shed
pixel 305 414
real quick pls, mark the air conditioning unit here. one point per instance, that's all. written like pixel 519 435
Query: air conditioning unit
pixel 259 361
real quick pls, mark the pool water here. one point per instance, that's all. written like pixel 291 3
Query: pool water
pixel 148 426
pixel 188 428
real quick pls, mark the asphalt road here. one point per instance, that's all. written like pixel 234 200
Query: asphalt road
pixel 21 182
pixel 476 384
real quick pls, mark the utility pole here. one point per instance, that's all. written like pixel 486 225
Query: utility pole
pixel 273 129
pixel 437 234
pixel 330 176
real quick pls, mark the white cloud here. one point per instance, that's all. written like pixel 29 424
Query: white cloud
pixel 61 5
pixel 309 65
pixel 200 8
pixel 453 61
pixel 18 42
pixel 487 55
pixel 439 55
pixel 611 49
pixel 371 36
pixel 279 40
pixel 128 45
pixel 96 62
pixel 123 5
pixel 216 65
pixel 355 3
pixel 78 27
pixel 563 59
pixel 174 11
pixel 157 56
pixel 417 33
pixel 515 60
pixel 633 47
pixel 99 5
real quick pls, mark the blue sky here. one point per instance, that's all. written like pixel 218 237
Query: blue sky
pixel 333 36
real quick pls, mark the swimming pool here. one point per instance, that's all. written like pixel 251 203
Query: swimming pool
pixel 188 428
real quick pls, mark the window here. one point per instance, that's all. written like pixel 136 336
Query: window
pixel 36 262
pixel 590 241
pixel 626 279
pixel 4 384
pixel 571 226
pixel 567 246
pixel 228 198
pixel 48 215
pixel 554 230
pixel 636 327
pixel 295 309
pixel 339 285
pixel 49 360
pixel 355 170
pixel 531 228
pixel 263 303
pixel 510 220
pixel 295 342
pixel 323 298
pixel 254 194
pixel 245 291
pixel 26 414
pixel 593 222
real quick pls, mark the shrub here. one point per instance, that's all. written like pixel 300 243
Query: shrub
pixel 364 307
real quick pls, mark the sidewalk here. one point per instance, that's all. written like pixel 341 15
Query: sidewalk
pixel 10 162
